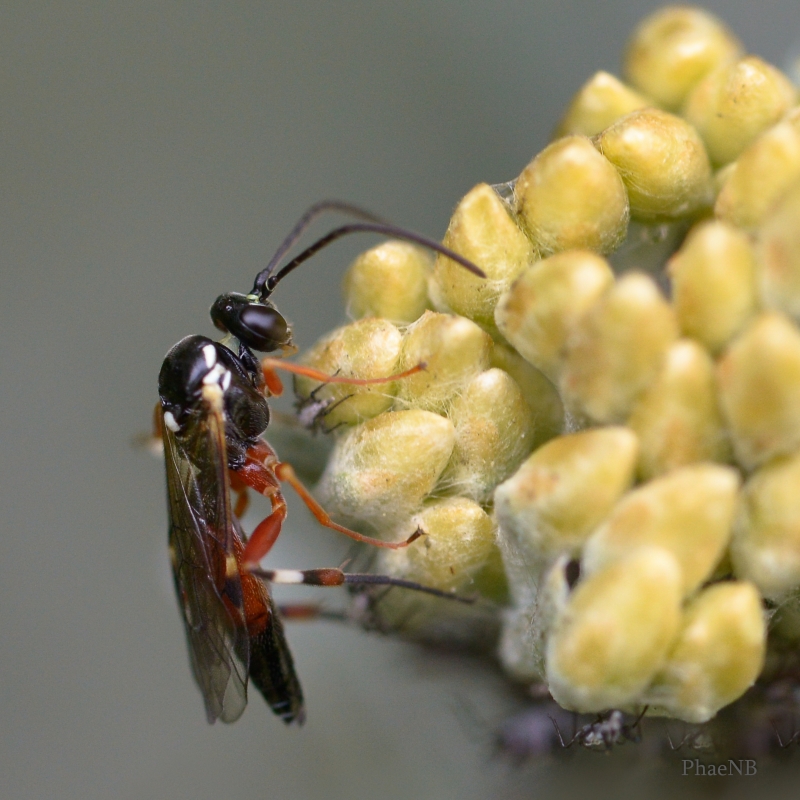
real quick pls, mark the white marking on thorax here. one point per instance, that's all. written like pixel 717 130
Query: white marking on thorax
pixel 210 355
pixel 169 421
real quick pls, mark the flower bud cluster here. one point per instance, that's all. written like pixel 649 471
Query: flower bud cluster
pixel 627 441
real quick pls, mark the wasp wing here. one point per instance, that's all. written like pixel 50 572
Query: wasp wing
pixel 201 541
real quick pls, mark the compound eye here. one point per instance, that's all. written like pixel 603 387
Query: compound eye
pixel 257 325
pixel 267 329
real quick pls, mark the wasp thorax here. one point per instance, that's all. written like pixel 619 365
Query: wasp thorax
pixel 191 369
pixel 257 324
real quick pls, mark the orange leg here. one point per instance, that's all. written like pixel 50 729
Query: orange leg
pixel 272 380
pixel 301 611
pixel 258 471
pixel 239 488
pixel 262 471
pixel 242 503
pixel 264 535
pixel 269 365
pixel 284 472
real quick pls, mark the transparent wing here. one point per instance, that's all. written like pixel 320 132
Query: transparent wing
pixel 201 540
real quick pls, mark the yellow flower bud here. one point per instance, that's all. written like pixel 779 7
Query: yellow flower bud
pixel 482 230
pixel 766 539
pixel 491 581
pixel 759 386
pixel 672 49
pixel 544 402
pixel 760 176
pixel 602 100
pixel 570 196
pixel 662 161
pixel 369 348
pixel 616 349
pixel 494 433
pixel 677 418
pixel 389 281
pixel 380 472
pixel 453 556
pixel 778 255
pixel 793 117
pixel 453 349
pixel 564 491
pixel 615 632
pixel 458 544
pixel 718 654
pixel 540 309
pixel 735 103
pixel 721 177
pixel 713 284
pixel 688 512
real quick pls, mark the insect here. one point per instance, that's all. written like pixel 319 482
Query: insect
pixel 607 730
pixel 212 413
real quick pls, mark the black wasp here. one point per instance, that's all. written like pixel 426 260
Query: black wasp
pixel 213 411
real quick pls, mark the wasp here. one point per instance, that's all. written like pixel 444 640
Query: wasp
pixel 213 410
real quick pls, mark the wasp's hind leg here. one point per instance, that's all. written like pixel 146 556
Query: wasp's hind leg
pixel 333 576
pixel 263 472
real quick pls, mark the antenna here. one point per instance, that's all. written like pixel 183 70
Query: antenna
pixel 265 283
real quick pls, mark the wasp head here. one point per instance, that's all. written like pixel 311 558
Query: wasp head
pixel 254 322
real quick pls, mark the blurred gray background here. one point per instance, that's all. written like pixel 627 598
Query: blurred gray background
pixel 151 156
